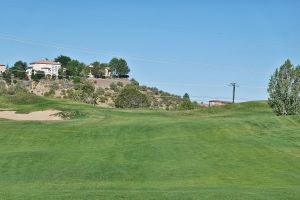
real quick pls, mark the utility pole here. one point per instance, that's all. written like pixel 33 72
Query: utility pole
pixel 234 85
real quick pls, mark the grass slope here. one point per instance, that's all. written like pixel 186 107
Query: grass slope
pixel 235 152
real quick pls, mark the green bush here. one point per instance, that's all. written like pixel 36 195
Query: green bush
pixel 100 91
pixel 76 79
pixel 83 92
pixel 38 75
pixel 102 99
pixel 15 89
pixel 113 86
pixel 186 103
pixel 131 97
pixel 70 114
pixel 120 84
pixel 50 93
pixel 143 88
pixel 3 87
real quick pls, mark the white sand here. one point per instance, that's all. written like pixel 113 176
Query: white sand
pixel 34 116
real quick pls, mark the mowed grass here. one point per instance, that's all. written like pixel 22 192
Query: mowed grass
pixel 239 151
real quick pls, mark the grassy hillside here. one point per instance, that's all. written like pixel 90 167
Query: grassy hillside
pixel 235 152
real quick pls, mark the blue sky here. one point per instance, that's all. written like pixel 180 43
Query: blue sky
pixel 190 46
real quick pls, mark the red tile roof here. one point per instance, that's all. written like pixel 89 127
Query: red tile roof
pixel 47 62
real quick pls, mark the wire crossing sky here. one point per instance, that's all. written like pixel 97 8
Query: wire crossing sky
pixel 198 47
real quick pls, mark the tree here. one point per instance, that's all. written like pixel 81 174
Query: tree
pixel 88 92
pixel 186 103
pixel 284 90
pixel 98 69
pixel 63 60
pixel 113 65
pixel 74 68
pixel 131 97
pixel 7 76
pixel 3 87
pixel 19 69
pixel 186 96
pixel 37 75
pixel 119 67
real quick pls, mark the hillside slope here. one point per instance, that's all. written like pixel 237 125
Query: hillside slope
pixel 239 151
pixel 105 91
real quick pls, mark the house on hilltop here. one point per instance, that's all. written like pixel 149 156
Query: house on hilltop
pixel 48 67
pixel 106 72
pixel 2 68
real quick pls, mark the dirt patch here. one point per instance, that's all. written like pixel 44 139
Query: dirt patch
pixel 105 83
pixel 46 115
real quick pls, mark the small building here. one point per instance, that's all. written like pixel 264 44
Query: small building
pixel 217 103
pixel 2 68
pixel 48 67
pixel 107 72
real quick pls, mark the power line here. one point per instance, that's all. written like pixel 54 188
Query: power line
pixel 88 51
pixel 160 83
pixel 107 53
pixel 201 85
pixel 201 98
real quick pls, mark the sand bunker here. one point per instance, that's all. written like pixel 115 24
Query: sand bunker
pixel 46 115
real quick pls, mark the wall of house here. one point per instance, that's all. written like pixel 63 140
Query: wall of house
pixel 2 68
pixel 47 68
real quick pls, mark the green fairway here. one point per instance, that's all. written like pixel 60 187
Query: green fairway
pixel 240 151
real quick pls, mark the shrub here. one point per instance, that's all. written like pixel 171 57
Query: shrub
pixel 87 87
pixel 51 93
pixel 70 114
pixel 100 91
pixel 3 87
pixel 134 82
pixel 76 79
pixel 131 97
pixel 102 99
pixel 38 75
pixel 143 88
pixel 63 93
pixel 120 84
pixel 186 103
pixel 54 86
pixel 7 76
pixel 16 88
pixel 113 86
pixel 83 92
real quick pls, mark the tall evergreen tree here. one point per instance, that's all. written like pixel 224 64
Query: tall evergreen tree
pixel 119 67
pixel 63 60
pixel 19 69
